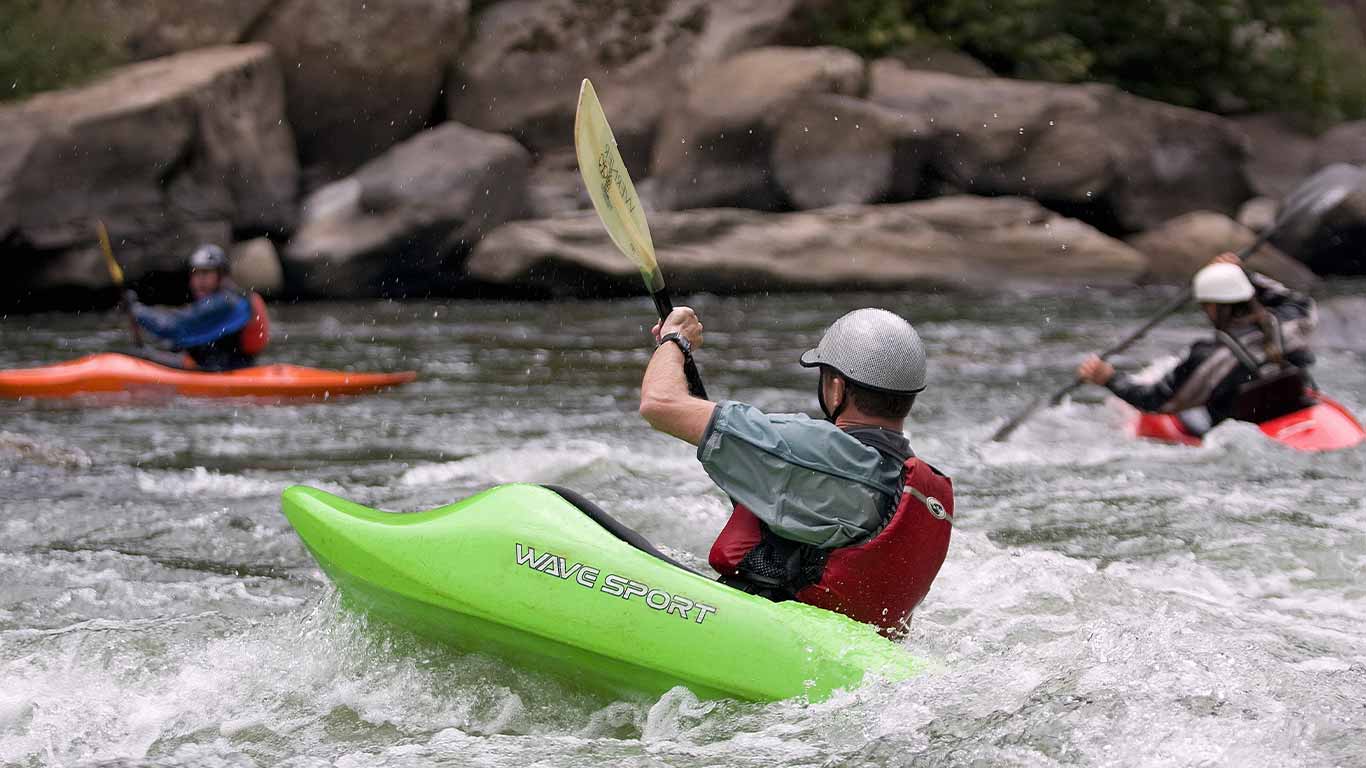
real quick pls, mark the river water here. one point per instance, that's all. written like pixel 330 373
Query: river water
pixel 1105 601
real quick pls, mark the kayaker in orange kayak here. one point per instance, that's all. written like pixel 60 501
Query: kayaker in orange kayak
pixel 222 329
pixel 1254 369
pixel 837 513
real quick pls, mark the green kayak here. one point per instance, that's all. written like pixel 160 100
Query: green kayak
pixel 545 579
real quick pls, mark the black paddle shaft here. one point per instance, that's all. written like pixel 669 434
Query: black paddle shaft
pixel 664 305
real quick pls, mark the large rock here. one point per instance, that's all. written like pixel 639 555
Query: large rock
pixel 256 267
pixel 946 241
pixel 168 152
pixel 556 186
pixel 936 57
pixel 1280 152
pixel 1179 248
pixel 1330 240
pixel 391 227
pixel 725 127
pixel 838 150
pixel 1345 143
pixel 1338 243
pixel 1131 162
pixel 151 28
pixel 521 72
pixel 361 76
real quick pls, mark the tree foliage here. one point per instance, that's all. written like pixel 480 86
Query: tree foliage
pixel 1220 55
pixel 48 44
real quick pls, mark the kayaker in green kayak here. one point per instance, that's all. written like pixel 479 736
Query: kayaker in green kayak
pixel 1254 369
pixel 836 513
pixel 223 329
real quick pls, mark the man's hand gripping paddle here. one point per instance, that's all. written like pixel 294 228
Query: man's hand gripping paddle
pixel 116 274
pixel 1318 194
pixel 614 197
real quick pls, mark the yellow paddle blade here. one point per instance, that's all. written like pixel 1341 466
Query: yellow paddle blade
pixel 610 187
pixel 115 271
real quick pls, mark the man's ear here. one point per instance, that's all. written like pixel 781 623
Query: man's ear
pixel 837 390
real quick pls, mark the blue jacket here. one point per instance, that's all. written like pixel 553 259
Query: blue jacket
pixel 203 322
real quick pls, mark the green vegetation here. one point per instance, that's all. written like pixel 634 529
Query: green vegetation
pixel 1220 55
pixel 47 44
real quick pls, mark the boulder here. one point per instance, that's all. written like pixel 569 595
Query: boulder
pixel 1128 162
pixel 556 186
pixel 1179 248
pixel 931 56
pixel 152 28
pixel 1259 213
pixel 256 267
pixel 1338 243
pixel 946 241
pixel 1280 152
pixel 521 71
pixel 838 150
pixel 1331 240
pixel 390 228
pixel 169 152
pixel 725 126
pixel 1345 143
pixel 361 76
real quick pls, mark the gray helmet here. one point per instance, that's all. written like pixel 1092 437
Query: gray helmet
pixel 208 256
pixel 875 348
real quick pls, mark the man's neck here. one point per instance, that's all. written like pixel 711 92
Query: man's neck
pixel 860 421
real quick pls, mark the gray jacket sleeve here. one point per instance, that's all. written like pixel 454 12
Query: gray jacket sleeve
pixel 807 479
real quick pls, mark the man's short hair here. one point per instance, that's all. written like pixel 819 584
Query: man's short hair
pixel 879 404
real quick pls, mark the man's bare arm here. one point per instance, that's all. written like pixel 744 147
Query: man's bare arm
pixel 664 399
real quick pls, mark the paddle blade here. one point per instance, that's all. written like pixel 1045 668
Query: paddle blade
pixel 610 187
pixel 115 271
pixel 1319 193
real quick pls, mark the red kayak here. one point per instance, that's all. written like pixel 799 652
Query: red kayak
pixel 1324 426
pixel 109 372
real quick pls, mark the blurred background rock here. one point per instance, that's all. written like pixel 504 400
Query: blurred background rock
pixel 423 147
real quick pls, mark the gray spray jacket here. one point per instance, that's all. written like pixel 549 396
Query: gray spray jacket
pixel 808 480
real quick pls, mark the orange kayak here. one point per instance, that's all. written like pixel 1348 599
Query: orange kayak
pixel 1324 426
pixel 109 372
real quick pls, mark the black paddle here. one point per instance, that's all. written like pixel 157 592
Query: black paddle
pixel 614 198
pixel 1318 193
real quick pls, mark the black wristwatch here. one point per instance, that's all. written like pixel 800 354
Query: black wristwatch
pixel 678 339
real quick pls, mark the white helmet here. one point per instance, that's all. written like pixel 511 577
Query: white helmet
pixel 1222 283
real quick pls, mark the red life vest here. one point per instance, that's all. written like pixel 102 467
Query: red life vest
pixel 879 581
pixel 255 335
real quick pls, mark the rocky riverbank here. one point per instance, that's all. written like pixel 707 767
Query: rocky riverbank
pixel 419 147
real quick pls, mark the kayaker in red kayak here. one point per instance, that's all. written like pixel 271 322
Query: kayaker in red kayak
pixel 836 513
pixel 223 329
pixel 1254 369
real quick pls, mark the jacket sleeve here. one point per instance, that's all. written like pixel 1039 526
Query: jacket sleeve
pixel 807 480
pixel 204 321
pixel 1151 396
pixel 1286 303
